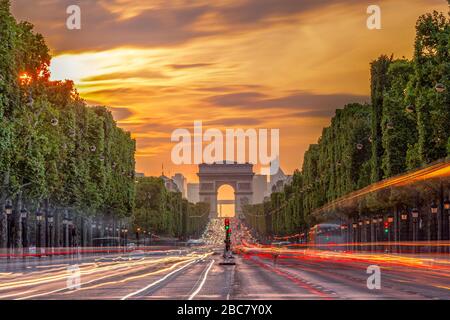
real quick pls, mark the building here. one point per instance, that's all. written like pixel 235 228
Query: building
pixel 278 181
pixel 170 184
pixel 181 183
pixel 193 191
pixel 259 188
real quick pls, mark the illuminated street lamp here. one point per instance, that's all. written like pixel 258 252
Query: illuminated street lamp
pixel 434 208
pixel 367 222
pixel 415 213
pixel 439 87
pixel 50 221
pixel 374 220
pixel 55 122
pixel 390 219
pixel 23 221
pixel 410 108
pixel 447 204
pixel 404 216
pixel 39 218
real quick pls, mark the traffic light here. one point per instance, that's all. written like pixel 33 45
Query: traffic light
pixel 386 227
pixel 227 224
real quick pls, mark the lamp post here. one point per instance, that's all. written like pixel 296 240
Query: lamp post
pixel 434 212
pixel 367 230
pixel 125 234
pixel 70 231
pixel 65 229
pixel 93 233
pixel 39 218
pixel 404 225
pixel 23 221
pixel 50 221
pixel 415 220
pixel 8 212
pixel 355 234
pixel 447 210
pixel 375 229
pixel 138 230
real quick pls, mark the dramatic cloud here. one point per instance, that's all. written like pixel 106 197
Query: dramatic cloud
pixel 160 65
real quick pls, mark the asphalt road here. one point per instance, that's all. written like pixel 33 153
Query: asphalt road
pixel 197 274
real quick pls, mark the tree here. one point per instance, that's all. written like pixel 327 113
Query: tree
pixel 379 83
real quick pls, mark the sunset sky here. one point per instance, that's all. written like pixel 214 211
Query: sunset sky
pixel 162 64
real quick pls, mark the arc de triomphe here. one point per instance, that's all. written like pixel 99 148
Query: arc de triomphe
pixel 213 176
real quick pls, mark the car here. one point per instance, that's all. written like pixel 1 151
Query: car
pixel 195 242
pixel 136 255
pixel 281 243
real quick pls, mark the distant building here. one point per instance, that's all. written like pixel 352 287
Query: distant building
pixel 259 188
pixel 193 190
pixel 170 184
pixel 181 183
pixel 278 181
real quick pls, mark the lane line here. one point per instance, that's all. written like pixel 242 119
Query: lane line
pixel 203 281
pixel 158 281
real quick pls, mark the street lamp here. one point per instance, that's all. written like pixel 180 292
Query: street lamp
pixel 410 108
pixel 434 208
pixel 415 217
pixel 404 216
pixel 447 204
pixel 23 220
pixel 50 220
pixel 8 207
pixel 137 236
pixel 39 218
pixel 439 87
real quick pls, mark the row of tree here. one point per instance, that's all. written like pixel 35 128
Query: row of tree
pixel 56 153
pixel 406 126
pixel 69 162
pixel 159 211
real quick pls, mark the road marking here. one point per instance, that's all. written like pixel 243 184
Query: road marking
pixel 203 282
pixel 158 281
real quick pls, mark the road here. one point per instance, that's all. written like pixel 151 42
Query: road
pixel 197 274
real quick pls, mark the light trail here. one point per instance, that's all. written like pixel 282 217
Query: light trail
pixel 433 263
pixel 439 170
pixel 203 281
pixel 158 281
pixel 99 279
pixel 130 278
pixel 113 267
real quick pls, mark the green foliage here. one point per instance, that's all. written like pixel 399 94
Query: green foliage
pixel 432 67
pixel 52 145
pixel 398 121
pixel 166 213
pixel 406 127
pixel 379 82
